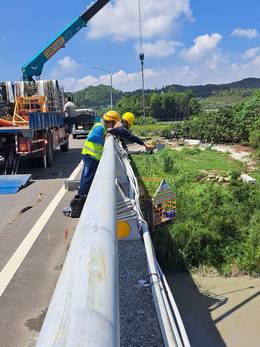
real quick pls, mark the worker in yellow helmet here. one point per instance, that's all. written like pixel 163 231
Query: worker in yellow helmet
pixel 128 119
pixel 91 155
pixel 122 131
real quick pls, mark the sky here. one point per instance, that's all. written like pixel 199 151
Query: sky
pixel 185 42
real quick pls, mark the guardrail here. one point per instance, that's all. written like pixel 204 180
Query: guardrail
pixel 84 308
pixel 171 325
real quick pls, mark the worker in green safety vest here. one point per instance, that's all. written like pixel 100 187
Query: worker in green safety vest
pixel 91 155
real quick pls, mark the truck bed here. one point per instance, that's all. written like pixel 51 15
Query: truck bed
pixel 37 121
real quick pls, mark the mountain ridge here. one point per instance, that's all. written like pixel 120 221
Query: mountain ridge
pixel 100 95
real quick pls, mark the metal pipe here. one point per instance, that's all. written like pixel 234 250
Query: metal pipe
pixel 164 317
pixel 111 84
pixel 84 309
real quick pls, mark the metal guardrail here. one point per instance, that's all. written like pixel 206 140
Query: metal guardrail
pixel 84 310
pixel 171 325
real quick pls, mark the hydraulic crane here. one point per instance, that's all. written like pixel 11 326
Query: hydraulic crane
pixel 35 66
pixel 34 124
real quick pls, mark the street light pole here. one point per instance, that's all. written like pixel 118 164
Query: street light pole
pixel 111 84
pixel 141 56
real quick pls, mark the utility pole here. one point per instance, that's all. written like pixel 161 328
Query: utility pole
pixel 141 56
pixel 111 84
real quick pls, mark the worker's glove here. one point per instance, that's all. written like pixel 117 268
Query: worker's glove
pixel 149 148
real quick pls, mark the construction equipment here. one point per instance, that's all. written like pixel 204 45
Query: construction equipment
pixel 32 122
pixel 34 126
pixel 35 65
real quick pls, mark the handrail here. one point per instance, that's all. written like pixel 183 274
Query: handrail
pixel 84 308
pixel 171 325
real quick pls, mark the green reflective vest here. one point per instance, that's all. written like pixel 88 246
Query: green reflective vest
pixel 91 148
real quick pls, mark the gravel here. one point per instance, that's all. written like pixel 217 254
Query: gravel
pixel 139 325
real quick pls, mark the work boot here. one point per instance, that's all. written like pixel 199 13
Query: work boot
pixel 76 206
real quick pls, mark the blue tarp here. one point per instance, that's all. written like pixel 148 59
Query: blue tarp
pixel 11 184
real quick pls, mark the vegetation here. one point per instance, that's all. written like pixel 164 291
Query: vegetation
pixel 216 225
pixel 150 130
pixel 235 124
pixel 223 98
pixel 173 102
pixel 96 97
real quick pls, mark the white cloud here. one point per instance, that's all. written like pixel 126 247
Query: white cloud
pixel 159 49
pixel 64 66
pixel 68 64
pixel 121 80
pixel 252 52
pixel 203 45
pixel 248 33
pixel 215 69
pixel 119 19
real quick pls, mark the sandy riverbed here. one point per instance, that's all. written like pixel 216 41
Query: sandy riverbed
pixel 218 311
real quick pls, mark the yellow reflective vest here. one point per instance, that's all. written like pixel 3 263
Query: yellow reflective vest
pixel 91 148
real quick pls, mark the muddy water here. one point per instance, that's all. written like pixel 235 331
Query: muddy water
pixel 217 311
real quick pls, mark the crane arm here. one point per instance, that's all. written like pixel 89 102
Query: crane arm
pixel 35 66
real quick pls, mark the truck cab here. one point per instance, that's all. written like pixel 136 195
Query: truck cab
pixel 83 119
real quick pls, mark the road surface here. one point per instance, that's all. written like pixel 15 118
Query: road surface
pixel 29 283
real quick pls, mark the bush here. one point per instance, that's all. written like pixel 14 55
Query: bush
pixel 145 121
pixel 167 132
pixel 231 124
pixel 216 225
pixel 254 138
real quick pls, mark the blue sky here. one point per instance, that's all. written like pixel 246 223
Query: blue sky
pixel 185 41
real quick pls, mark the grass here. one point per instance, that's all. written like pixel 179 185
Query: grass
pixel 216 225
pixel 151 130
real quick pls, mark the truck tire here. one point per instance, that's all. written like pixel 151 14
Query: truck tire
pixel 49 150
pixel 65 146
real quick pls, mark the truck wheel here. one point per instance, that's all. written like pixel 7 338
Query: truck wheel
pixel 49 150
pixel 65 146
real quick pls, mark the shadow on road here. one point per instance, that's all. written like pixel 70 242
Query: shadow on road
pixel 195 310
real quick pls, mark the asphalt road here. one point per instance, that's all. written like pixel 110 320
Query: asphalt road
pixel 25 299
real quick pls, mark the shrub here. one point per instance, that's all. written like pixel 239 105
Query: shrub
pixel 145 121
pixel 254 138
pixel 216 225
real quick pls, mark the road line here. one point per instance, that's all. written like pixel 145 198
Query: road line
pixel 19 255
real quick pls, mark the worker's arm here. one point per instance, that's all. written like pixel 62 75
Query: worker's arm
pixel 125 134
pixel 97 135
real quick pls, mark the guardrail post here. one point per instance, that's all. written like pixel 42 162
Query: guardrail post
pixel 84 308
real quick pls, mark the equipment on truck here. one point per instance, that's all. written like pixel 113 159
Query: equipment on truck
pixel 35 65
pixel 32 121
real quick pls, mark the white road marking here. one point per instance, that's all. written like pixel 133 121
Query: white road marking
pixel 19 255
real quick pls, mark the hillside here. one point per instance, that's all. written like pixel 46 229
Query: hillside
pixel 96 96
pixel 203 91
pixel 100 96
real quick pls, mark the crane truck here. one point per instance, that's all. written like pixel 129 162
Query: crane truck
pixel 32 122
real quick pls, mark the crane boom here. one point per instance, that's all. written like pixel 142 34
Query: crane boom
pixel 35 66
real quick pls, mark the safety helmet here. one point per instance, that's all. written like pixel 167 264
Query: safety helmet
pixel 112 116
pixel 129 118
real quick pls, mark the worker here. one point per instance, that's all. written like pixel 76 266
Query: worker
pixel 69 110
pixel 91 155
pixel 122 131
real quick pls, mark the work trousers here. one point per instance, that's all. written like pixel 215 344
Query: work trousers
pixel 88 174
